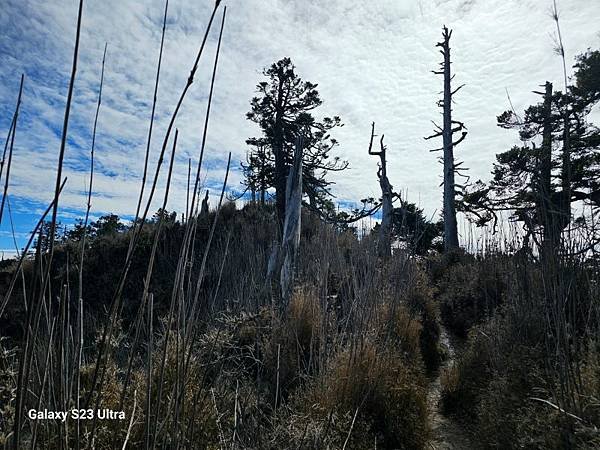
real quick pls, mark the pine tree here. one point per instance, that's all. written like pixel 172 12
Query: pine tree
pixel 553 168
pixel 283 110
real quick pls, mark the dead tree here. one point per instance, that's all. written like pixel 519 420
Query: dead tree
pixel 548 213
pixel 204 207
pixel 450 127
pixel 291 228
pixel 384 244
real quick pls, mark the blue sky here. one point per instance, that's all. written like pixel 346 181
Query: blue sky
pixel 372 60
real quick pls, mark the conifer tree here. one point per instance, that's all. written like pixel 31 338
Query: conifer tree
pixel 284 109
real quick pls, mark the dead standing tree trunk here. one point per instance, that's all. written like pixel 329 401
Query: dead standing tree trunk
pixel 547 211
pixel 278 150
pixel 384 247
pixel 450 127
pixel 291 229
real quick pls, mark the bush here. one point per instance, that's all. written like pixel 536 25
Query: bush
pixel 494 384
pixel 370 394
pixel 419 296
pixel 468 289
pixel 290 351
pixel 464 380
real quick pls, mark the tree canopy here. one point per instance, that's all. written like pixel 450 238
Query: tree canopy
pixel 557 163
pixel 284 109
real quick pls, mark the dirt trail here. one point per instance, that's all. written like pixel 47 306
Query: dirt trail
pixel 447 434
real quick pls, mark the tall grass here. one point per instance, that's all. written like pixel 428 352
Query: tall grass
pixel 528 375
pixel 188 340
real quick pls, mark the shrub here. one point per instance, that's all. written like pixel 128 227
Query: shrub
pixel 494 383
pixel 464 380
pixel 290 351
pixel 371 394
pixel 8 375
pixel 468 289
pixel 419 296
pixel 398 326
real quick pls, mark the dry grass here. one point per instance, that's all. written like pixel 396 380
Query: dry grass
pixel 508 384
pixel 173 323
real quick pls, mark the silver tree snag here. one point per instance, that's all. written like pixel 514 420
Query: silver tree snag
pixel 291 228
pixel 282 260
pixel 450 127
pixel 384 246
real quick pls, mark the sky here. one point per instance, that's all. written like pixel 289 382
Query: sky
pixel 372 61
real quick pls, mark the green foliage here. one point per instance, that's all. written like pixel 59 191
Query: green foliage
pixel 42 241
pixel 409 225
pixel 283 110
pixel 555 166
pixel 586 88
pixel 468 289
pixel 501 383
pixel 107 226
pixel 420 294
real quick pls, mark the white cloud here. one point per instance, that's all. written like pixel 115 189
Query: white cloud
pixel 372 60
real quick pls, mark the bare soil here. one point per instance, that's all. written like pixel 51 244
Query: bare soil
pixel 447 434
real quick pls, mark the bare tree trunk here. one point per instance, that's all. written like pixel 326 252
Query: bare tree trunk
pixel 565 204
pixel 263 183
pixel 204 208
pixel 280 166
pixel 450 126
pixel 450 227
pixel 384 245
pixel 291 229
pixel 273 262
pixel 547 210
